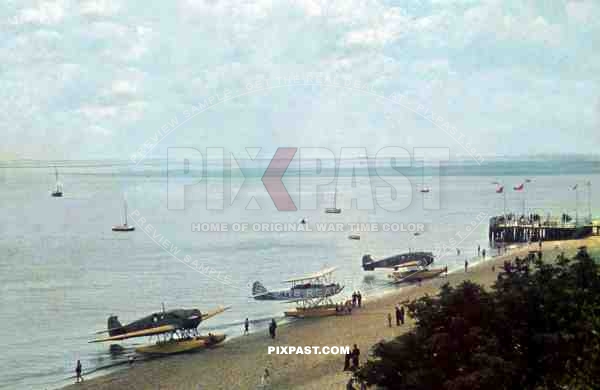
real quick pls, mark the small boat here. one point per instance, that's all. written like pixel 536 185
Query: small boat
pixel 58 191
pixel 123 227
pixel 354 237
pixel 424 190
pixel 334 209
pixel 181 345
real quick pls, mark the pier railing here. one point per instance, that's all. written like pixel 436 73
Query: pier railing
pixel 512 229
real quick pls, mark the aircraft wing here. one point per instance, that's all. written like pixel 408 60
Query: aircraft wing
pixel 138 333
pixel 316 275
pixel 217 311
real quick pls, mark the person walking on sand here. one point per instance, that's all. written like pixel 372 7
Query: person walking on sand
pixel 264 379
pixel 397 316
pixel 390 320
pixel 457 252
pixel 402 315
pixel 354 298
pixel 483 253
pixel 359 298
pixel 478 250
pixel 246 326
pixel 78 370
pixel 347 361
pixel 355 357
pixel 466 266
pixel 272 328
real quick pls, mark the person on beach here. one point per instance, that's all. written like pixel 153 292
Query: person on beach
pixel 355 357
pixel 354 298
pixel 359 298
pixel 457 252
pixel 493 268
pixel 466 266
pixel 78 370
pixel 478 250
pixel 397 316
pixel 246 326
pixel 264 379
pixel 402 315
pixel 483 253
pixel 350 385
pixel 272 328
pixel 390 320
pixel 347 361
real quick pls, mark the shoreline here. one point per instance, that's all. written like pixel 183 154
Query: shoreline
pixel 240 362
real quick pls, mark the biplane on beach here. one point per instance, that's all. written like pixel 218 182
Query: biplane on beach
pixel 174 331
pixel 311 292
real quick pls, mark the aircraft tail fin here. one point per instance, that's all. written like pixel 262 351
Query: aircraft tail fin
pixel 114 326
pixel 367 263
pixel 258 288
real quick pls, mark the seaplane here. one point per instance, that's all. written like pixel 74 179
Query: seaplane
pixel 422 259
pixel 175 331
pixel 311 292
pixel 407 267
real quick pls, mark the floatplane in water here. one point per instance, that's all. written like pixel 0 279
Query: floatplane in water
pixel 311 292
pixel 175 331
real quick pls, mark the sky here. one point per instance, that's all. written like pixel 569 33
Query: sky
pixel 83 79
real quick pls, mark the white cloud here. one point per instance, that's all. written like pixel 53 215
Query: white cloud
pixel 45 13
pixel 99 7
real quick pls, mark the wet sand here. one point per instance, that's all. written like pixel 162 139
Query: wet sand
pixel 239 363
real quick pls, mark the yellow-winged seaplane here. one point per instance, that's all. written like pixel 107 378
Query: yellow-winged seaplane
pixel 176 331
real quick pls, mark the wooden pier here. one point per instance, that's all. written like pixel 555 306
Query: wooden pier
pixel 502 230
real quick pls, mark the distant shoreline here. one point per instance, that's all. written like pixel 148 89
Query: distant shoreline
pixel 240 362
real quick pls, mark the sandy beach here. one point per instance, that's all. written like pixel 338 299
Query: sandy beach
pixel 239 363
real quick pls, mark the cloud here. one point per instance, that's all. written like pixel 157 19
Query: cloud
pixel 99 8
pixel 116 70
pixel 45 13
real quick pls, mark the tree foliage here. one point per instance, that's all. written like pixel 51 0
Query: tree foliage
pixel 538 328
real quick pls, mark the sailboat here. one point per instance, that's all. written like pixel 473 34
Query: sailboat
pixel 58 191
pixel 334 209
pixel 124 227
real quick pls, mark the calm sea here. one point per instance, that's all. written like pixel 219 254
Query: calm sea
pixel 63 271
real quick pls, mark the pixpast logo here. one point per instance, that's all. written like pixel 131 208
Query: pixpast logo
pixel 316 169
